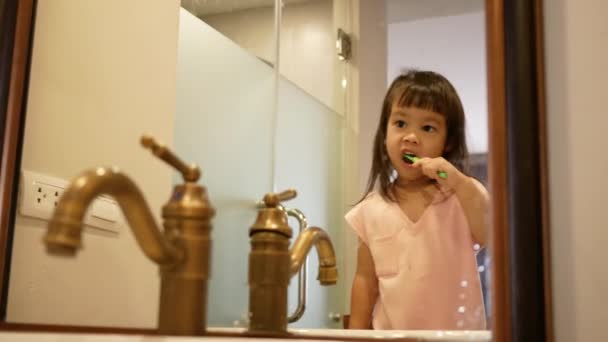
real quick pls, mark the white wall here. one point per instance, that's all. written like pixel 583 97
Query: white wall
pixel 103 72
pixel 369 76
pixel 455 47
pixel 307 42
pixel 366 76
pixel 576 73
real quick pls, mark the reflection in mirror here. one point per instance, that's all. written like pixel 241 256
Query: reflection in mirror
pixel 94 88
pixel 306 147
pixel 306 38
pixel 450 41
pixel 219 104
pixel 248 23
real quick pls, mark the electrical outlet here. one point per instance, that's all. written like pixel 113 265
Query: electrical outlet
pixel 39 195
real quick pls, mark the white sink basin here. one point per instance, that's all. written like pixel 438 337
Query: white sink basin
pixel 305 335
pixel 421 335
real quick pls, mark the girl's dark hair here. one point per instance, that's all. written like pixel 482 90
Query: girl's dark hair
pixel 425 90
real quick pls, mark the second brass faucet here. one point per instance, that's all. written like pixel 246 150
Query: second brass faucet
pixel 272 263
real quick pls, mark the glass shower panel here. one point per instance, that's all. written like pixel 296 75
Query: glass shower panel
pixel 309 159
pixel 312 129
pixel 225 103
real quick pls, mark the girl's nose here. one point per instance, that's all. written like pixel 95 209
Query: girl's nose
pixel 410 138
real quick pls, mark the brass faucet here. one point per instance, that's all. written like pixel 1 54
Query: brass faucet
pixel 181 251
pixel 272 263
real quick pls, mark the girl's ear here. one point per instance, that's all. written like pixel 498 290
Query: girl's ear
pixel 448 148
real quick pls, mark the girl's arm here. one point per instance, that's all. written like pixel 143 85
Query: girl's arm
pixel 475 202
pixel 364 291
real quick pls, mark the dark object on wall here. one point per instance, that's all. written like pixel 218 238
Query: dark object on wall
pixel 478 167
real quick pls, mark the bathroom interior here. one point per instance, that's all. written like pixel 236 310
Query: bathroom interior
pixel 260 110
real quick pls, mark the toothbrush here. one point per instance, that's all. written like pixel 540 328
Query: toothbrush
pixel 410 158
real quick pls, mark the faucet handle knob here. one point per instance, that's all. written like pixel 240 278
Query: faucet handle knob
pixel 273 199
pixel 191 173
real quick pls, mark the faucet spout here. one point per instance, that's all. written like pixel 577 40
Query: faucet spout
pixel 65 228
pixel 317 237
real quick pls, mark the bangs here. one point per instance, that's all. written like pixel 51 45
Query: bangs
pixel 417 96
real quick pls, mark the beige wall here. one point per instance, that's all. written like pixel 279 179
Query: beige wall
pixel 103 72
pixel 308 48
pixel 577 69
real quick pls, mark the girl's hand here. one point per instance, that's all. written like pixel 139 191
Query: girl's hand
pixel 473 196
pixel 431 167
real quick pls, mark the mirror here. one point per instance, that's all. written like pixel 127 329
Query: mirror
pixel 95 87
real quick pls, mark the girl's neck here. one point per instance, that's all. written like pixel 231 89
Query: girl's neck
pixel 415 184
pixel 403 187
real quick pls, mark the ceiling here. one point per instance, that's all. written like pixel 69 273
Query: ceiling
pixel 407 10
pixel 202 8
pixel 396 10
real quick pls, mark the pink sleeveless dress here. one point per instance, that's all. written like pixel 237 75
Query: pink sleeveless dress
pixel 427 271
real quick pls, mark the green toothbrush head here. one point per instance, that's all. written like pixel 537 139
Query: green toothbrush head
pixel 409 158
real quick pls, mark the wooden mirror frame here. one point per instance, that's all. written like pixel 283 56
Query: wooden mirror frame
pixel 521 283
pixel 16 27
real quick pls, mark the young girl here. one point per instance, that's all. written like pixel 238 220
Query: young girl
pixel 421 228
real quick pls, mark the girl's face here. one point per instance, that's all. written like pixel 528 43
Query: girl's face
pixel 414 130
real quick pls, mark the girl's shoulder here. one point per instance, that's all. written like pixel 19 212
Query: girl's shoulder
pixel 373 207
pixel 371 214
pixel 371 200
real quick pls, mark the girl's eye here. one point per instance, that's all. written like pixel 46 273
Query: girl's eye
pixel 429 128
pixel 400 123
